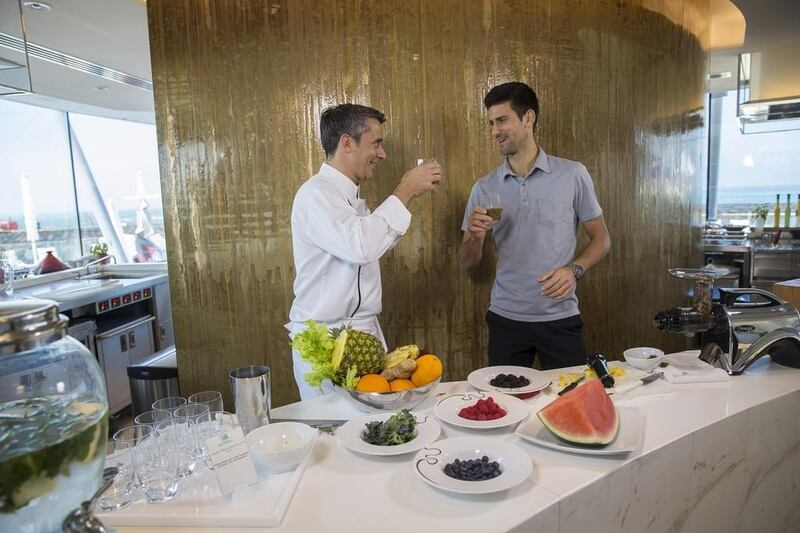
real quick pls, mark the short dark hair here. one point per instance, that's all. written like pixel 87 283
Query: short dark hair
pixel 518 94
pixel 345 118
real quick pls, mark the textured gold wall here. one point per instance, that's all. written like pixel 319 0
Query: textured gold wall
pixel 239 87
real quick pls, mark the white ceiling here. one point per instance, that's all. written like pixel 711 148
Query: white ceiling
pixel 770 24
pixel 113 34
pixel 110 33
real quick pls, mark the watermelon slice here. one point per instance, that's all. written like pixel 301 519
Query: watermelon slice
pixel 585 415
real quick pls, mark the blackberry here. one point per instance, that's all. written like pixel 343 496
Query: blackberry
pixel 509 381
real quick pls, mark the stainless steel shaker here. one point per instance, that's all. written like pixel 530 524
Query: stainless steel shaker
pixel 251 396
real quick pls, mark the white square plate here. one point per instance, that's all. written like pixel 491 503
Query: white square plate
pixel 629 438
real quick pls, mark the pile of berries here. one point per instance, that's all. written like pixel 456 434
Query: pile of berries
pixel 509 381
pixel 473 469
pixel 483 410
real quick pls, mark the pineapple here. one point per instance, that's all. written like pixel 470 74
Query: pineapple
pixel 353 348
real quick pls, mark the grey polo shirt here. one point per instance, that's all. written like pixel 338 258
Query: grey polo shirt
pixel 537 232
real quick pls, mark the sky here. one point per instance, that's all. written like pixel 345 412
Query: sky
pixel 34 141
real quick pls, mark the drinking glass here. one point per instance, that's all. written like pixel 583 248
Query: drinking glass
pixel 186 440
pixel 160 477
pixel 169 404
pixel 491 202
pixel 210 424
pixel 176 448
pixel 213 399
pixel 151 418
pixel 141 442
pixel 121 492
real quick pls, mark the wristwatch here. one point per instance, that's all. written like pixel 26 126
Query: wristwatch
pixel 577 271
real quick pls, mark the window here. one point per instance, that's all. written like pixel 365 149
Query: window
pixel 750 170
pixel 37 195
pixel 68 181
pixel 119 192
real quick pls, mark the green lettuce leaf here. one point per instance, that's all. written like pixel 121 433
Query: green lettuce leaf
pixel 315 346
pixel 351 379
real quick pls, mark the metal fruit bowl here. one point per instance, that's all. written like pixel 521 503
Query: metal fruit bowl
pixel 373 402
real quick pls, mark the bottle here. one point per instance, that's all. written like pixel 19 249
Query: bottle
pixel 788 215
pixel 597 362
pixel 797 212
pixel 777 213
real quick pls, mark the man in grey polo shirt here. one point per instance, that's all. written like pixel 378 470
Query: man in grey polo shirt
pixel 544 199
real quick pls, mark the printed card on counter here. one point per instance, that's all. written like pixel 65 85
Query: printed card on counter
pixel 230 456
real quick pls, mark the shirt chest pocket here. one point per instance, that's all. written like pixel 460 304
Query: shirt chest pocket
pixel 554 212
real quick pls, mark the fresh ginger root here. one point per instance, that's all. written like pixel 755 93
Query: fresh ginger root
pixel 402 370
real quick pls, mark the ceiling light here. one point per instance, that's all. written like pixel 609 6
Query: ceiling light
pixel 720 75
pixel 101 88
pixel 37 6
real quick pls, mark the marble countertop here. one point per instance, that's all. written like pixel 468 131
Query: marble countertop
pixel 695 437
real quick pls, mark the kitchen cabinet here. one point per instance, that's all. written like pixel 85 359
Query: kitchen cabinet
pixel 162 304
pixel 796 264
pixel 118 348
pixel 771 266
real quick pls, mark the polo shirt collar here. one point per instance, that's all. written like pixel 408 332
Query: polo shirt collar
pixel 542 162
pixel 341 182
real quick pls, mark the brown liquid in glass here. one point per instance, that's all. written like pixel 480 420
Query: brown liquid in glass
pixel 494 212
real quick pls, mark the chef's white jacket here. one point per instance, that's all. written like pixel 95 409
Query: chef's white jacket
pixel 337 243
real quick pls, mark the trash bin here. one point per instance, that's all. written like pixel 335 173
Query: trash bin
pixel 153 379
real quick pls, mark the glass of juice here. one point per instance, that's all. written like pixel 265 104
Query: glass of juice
pixel 491 202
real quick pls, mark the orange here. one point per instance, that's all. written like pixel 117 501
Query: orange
pixel 401 384
pixel 373 383
pixel 429 367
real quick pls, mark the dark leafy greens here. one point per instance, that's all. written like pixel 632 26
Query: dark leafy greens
pixel 398 429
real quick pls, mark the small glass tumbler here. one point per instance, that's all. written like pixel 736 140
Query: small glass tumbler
pixel 211 424
pixel 186 440
pixel 160 478
pixel 491 202
pixel 141 440
pixel 169 404
pixel 213 399
pixel 151 418
pixel 122 490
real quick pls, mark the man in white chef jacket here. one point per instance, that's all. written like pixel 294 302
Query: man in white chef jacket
pixel 337 241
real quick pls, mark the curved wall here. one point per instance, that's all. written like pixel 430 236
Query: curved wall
pixel 240 85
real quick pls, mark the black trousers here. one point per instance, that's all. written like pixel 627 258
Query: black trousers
pixel 558 343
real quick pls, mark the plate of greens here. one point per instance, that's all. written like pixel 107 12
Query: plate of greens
pixel 389 433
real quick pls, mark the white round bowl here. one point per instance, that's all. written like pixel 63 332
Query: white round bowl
pixel 279 447
pixel 643 357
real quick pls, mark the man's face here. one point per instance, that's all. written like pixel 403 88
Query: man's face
pixel 368 151
pixel 508 130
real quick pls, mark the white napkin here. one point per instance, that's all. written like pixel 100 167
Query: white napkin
pixel 687 367
pixel 658 387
